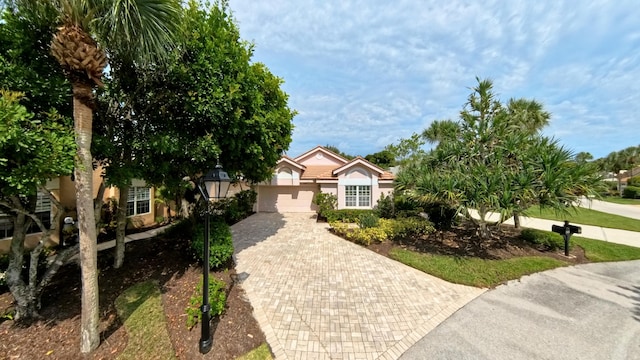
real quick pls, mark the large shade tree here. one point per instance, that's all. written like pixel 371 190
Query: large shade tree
pixel 87 31
pixel 36 145
pixel 496 162
pixel 211 103
pixel 33 149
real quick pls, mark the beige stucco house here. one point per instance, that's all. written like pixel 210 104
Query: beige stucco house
pixel 141 208
pixel 357 183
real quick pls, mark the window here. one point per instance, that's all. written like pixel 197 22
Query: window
pixel 358 196
pixel 42 211
pixel 139 201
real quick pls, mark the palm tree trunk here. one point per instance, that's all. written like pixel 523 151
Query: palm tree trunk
pixel 121 224
pixel 516 220
pixel 83 117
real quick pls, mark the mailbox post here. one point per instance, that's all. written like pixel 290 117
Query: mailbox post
pixel 566 231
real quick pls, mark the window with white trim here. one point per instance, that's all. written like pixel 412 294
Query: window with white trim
pixel 139 201
pixel 357 195
pixel 42 211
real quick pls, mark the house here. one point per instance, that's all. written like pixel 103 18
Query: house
pixel 141 208
pixel 357 183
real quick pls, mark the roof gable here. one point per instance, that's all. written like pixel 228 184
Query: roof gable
pixel 287 160
pixel 359 160
pixel 320 156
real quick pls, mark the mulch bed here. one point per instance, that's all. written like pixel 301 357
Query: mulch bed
pixel 463 241
pixel 164 260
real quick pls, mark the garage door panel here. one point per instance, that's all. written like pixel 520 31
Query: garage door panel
pixel 286 198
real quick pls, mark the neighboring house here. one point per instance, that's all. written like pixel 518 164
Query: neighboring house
pixel 357 183
pixel 624 175
pixel 141 208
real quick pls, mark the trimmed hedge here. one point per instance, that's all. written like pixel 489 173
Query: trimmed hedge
pixel 547 240
pixel 346 215
pixel 387 229
pixel 631 192
pixel 220 243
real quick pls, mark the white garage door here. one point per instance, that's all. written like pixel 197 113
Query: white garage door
pixel 286 198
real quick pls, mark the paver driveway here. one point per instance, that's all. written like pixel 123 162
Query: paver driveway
pixel 317 296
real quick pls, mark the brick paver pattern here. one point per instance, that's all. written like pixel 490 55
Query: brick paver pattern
pixel 317 296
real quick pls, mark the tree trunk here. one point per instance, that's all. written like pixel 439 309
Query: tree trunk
pixel 483 229
pixel 83 117
pixel 516 220
pixel 25 308
pixel 97 205
pixel 121 225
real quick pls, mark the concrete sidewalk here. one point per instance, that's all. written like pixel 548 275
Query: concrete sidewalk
pixel 617 236
pixel 134 237
pixel 630 211
pixel 625 237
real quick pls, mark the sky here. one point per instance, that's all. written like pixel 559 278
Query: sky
pixel 363 74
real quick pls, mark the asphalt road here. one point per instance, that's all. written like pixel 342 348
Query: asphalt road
pixel 589 311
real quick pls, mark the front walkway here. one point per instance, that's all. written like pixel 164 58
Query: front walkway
pixel 317 296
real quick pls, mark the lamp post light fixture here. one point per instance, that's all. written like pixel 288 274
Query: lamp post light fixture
pixel 214 185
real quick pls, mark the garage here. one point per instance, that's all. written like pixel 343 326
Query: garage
pixel 282 199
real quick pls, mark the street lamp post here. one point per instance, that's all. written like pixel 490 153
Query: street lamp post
pixel 214 185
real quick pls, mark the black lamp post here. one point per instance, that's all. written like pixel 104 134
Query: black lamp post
pixel 214 185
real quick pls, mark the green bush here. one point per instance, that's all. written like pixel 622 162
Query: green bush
pixel 182 229
pixel 346 215
pixel 442 216
pixel 631 192
pixel 547 240
pixel 220 243
pixel 363 236
pixel 325 202
pixel 246 199
pixel 634 181
pixel 368 220
pixel 402 228
pixel 217 301
pixel 385 208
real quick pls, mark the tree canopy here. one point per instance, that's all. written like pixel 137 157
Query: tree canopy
pixel 494 160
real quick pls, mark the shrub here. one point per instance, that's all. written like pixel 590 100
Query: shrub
pixel 634 181
pixel 397 229
pixel 366 236
pixel 325 202
pixel 368 220
pixel 631 192
pixel 363 236
pixel 385 207
pixel 182 229
pixel 346 215
pixel 220 243
pixel 246 199
pixel 217 301
pixel 441 215
pixel 547 240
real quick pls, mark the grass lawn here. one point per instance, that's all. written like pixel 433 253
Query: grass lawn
pixel 585 216
pixel 622 201
pixel 489 273
pixel 599 251
pixel 262 352
pixel 140 306
pixel 474 271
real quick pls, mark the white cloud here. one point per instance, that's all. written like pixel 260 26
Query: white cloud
pixel 364 73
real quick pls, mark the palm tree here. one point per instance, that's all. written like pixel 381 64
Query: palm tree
pixel 527 115
pixel 143 31
pixel 441 130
